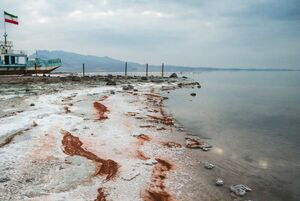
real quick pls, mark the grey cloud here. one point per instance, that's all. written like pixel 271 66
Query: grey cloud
pixel 191 32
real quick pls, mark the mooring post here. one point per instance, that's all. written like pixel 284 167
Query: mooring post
pixel 83 70
pixel 162 69
pixel 146 70
pixel 126 69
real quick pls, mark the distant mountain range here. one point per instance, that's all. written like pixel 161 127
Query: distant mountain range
pixel 72 62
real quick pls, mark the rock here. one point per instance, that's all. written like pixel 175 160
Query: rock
pixel 128 87
pixel 4 179
pixel 144 78
pixel 150 162
pixel 192 143
pixel 208 165
pixel 157 80
pixel 184 77
pixel 112 92
pixel 34 124
pixel 240 189
pixel 135 90
pixel 75 78
pixel 205 147
pixel 173 75
pixel 32 104
pixel 219 182
pixel 193 94
pixel 111 83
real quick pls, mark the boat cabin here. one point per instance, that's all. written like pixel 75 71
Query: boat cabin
pixel 11 57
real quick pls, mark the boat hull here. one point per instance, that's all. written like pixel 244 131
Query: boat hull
pixel 26 71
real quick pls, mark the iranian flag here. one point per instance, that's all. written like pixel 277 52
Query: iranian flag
pixel 9 18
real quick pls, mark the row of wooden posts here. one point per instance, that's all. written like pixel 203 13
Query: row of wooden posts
pixel 162 69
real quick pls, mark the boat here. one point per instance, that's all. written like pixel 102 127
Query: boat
pixel 17 62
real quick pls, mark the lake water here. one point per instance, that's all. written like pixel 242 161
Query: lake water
pixel 253 121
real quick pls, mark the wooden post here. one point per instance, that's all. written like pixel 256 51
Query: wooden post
pixel 83 70
pixel 146 70
pixel 162 69
pixel 125 69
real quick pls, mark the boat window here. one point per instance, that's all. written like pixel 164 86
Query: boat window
pixel 22 60
pixel 13 60
pixel 6 59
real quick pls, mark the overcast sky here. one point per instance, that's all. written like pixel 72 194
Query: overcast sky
pixel 216 33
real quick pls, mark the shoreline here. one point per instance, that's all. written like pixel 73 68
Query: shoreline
pixel 78 131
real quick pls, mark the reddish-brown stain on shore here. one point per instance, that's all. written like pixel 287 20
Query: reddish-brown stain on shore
pixel 171 145
pixel 140 155
pixel 73 146
pixel 157 190
pixel 142 138
pixel 101 195
pixel 101 110
pixel 164 119
pixel 192 143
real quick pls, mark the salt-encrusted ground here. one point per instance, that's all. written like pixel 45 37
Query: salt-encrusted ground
pixel 68 147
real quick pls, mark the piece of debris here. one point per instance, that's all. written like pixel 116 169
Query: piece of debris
pixel 240 189
pixel 193 94
pixel 130 176
pixel 208 165
pixel 112 92
pixel 219 182
pixel 32 104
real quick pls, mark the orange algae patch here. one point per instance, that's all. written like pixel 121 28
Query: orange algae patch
pixel 73 146
pixel 157 190
pixel 164 119
pixel 101 195
pixel 171 145
pixel 140 154
pixel 192 143
pixel 101 109
pixel 142 138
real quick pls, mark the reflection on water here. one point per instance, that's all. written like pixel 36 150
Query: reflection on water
pixel 253 121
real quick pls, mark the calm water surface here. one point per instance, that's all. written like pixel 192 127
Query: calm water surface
pixel 253 121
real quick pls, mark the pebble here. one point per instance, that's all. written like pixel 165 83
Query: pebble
pixel 240 189
pixel 208 165
pixel 4 179
pixel 219 182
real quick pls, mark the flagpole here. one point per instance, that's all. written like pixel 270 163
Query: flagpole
pixel 5 34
